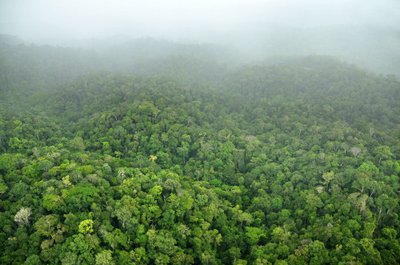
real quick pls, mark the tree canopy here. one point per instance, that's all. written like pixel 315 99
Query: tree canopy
pixel 291 163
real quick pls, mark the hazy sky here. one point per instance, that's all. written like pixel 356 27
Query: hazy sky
pixel 46 20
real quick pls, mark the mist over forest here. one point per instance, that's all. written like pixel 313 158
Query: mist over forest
pixel 200 132
pixel 365 33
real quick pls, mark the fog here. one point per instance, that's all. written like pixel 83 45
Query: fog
pixel 351 29
pixel 52 21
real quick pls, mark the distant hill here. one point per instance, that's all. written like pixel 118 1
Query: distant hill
pixel 41 67
pixel 375 48
pixel 10 39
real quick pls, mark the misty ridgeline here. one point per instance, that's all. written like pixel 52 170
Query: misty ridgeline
pixel 276 145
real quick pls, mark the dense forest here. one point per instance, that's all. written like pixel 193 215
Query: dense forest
pixel 167 153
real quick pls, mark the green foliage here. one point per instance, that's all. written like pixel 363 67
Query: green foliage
pixel 86 226
pixel 51 202
pixel 46 225
pixel 254 234
pixel 80 196
pixel 296 163
pixel 104 258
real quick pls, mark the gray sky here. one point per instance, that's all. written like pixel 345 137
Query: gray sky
pixel 49 20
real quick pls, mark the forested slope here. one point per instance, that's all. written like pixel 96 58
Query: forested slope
pixel 292 163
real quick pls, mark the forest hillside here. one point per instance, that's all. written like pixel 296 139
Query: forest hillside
pixel 189 156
